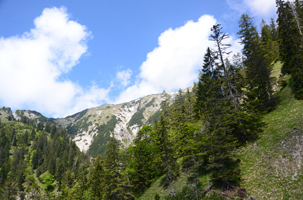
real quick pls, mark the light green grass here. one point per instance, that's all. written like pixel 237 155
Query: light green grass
pixel 269 168
pixel 156 188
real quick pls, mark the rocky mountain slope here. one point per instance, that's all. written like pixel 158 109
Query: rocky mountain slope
pixel 92 128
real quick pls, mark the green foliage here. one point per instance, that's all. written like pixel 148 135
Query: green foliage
pixel 47 155
pixel 98 146
pixel 116 185
pixel 137 118
pixel 290 41
pixel 47 180
pixel 145 164
pixel 154 118
pixel 97 176
pixel 257 65
pixel 150 103
pixel 186 193
pixel 195 139
pixel 38 133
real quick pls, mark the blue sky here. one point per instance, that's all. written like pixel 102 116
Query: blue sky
pixel 59 57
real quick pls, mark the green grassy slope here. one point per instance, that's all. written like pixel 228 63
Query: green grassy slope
pixel 272 166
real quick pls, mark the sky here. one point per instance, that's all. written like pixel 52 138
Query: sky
pixel 59 57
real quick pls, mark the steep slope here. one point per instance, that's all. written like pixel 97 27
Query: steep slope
pixel 92 128
pixel 272 166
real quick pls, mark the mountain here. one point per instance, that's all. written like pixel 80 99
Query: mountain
pixel 92 128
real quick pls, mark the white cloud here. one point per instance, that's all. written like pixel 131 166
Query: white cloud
pixel 258 8
pixel 263 8
pixel 123 77
pixel 32 66
pixel 175 62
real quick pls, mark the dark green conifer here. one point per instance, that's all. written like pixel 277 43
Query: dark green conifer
pixel 290 42
pixel 97 178
pixel 145 164
pixel 116 186
pixel 257 67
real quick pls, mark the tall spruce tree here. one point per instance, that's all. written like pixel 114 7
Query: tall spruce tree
pixel 165 148
pixel 208 73
pixel 227 122
pixel 218 36
pixel 145 164
pixel 257 67
pixel 268 43
pixel 216 102
pixel 116 186
pixel 290 42
pixel 97 178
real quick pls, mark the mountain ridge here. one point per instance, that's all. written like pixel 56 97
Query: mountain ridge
pixel 92 127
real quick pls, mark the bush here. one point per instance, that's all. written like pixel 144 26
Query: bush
pixel 186 193
pixel 157 197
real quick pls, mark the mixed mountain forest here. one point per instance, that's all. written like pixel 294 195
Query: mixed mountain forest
pixel 235 134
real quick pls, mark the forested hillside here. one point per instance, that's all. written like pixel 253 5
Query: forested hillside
pixel 236 135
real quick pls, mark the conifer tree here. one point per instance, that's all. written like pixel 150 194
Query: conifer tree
pixel 97 178
pixel 268 43
pixel 273 29
pixel 227 123
pixel 257 67
pixel 116 186
pixel 209 72
pixel 290 42
pixel 145 165
pixel 218 37
pixel 219 140
pixel 4 157
pixel 166 151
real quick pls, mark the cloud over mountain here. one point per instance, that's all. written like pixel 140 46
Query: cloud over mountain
pixel 33 66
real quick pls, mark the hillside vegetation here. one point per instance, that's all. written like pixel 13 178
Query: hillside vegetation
pixel 271 166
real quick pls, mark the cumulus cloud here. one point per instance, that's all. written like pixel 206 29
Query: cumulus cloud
pixel 32 66
pixel 123 77
pixel 259 8
pixel 176 62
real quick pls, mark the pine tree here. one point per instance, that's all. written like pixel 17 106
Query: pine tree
pixel 273 29
pixel 166 151
pixel 4 157
pixel 270 47
pixel 97 178
pixel 181 113
pixel 290 42
pixel 257 67
pixel 116 186
pixel 145 164
pixel 219 142
pixel 209 72
pixel 227 123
